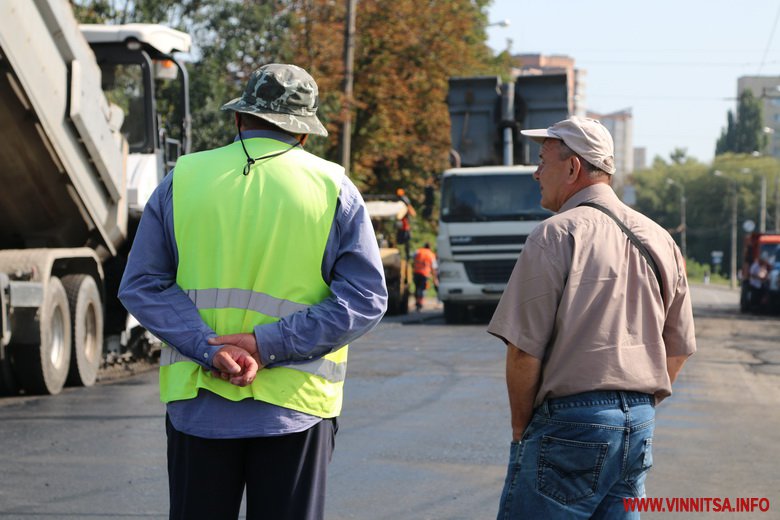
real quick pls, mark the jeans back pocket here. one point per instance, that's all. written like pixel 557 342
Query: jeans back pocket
pixel 569 470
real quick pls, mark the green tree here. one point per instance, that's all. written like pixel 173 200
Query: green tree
pixel 745 133
pixel 708 208
pixel 404 57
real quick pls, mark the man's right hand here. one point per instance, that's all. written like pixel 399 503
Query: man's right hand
pixel 236 365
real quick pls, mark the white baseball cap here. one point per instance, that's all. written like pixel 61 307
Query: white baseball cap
pixel 588 138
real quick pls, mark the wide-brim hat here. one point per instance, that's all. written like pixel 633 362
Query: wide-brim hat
pixel 284 95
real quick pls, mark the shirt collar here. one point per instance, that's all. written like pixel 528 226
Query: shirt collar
pixel 593 192
pixel 267 134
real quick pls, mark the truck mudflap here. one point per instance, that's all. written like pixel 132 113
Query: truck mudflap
pixel 5 328
pixel 16 294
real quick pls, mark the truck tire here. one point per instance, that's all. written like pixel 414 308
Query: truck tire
pixel 8 384
pixel 454 313
pixel 86 314
pixel 393 296
pixel 42 368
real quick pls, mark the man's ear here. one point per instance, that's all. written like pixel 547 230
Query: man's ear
pixel 575 167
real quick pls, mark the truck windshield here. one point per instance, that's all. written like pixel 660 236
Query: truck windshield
pixel 769 253
pixel 490 197
pixel 123 86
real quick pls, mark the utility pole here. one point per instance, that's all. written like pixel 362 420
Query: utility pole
pixel 762 217
pixel 349 63
pixel 777 203
pixel 733 274
pixel 683 225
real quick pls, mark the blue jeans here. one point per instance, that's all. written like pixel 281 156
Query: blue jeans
pixel 580 456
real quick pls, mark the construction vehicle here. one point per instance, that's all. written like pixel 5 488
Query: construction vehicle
pixel 83 145
pixel 490 202
pixel 760 291
pixel 487 212
pixel 386 215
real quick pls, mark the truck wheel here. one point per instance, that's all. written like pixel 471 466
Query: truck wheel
pixel 86 314
pixel 8 384
pixel 43 367
pixel 744 299
pixel 453 313
pixel 393 296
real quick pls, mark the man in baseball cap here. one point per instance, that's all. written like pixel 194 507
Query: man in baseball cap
pixel 588 138
pixel 571 147
pixel 597 323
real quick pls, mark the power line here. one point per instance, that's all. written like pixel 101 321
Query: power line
pixel 769 43
pixel 640 63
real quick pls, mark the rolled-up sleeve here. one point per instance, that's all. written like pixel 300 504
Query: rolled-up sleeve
pixel 525 316
pixel 679 332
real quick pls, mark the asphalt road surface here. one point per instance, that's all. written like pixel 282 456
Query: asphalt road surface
pixel 424 433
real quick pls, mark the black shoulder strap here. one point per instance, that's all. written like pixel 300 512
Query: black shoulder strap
pixel 634 240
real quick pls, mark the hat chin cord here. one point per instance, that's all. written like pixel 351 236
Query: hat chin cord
pixel 251 161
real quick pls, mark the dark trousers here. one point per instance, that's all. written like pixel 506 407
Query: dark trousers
pixel 284 476
pixel 420 285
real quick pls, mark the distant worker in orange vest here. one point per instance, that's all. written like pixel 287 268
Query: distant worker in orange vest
pixel 404 235
pixel 424 268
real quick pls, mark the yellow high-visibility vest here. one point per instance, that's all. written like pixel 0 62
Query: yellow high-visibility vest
pixel 250 252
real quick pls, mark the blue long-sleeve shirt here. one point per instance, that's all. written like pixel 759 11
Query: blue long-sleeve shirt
pixel 351 266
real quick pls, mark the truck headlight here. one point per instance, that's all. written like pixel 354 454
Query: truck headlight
pixel 449 274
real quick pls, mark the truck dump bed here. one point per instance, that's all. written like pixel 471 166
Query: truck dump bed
pixel 62 167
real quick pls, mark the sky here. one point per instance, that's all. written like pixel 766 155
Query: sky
pixel 675 64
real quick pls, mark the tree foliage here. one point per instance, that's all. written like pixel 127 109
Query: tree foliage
pixel 405 51
pixel 745 133
pixel 708 198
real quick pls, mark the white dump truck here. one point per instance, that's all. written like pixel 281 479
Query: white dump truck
pixel 487 212
pixel 83 142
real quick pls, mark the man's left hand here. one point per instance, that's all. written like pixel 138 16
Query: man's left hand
pixel 245 341
pixel 235 364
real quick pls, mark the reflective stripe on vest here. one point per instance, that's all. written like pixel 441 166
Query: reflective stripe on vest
pixel 250 253
pixel 243 299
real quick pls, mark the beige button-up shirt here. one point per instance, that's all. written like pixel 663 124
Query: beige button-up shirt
pixel 586 302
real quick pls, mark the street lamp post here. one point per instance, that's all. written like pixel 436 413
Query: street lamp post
pixel 777 203
pixel 762 219
pixel 762 211
pixel 733 273
pixel 683 225
pixel 349 65
pixel 733 269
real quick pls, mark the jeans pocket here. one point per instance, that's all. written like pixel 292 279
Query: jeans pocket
pixel 647 458
pixel 569 470
pixel 510 483
pixel 638 471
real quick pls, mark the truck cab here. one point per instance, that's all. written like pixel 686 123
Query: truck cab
pixel 487 212
pixel 760 291
pixel 143 77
